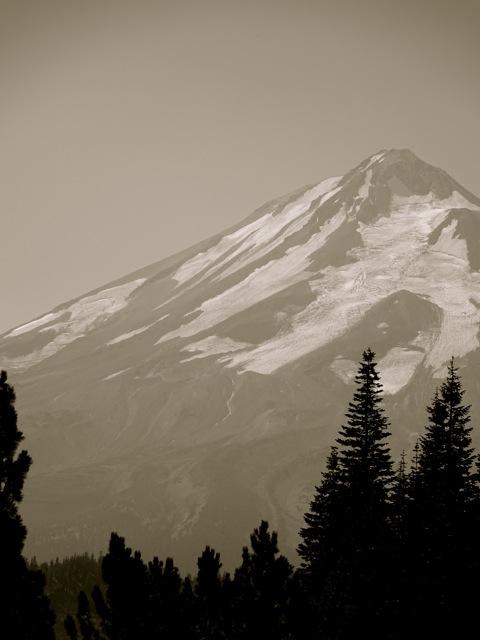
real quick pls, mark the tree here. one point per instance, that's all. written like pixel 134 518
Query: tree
pixel 168 618
pixel 325 520
pixel 24 608
pixel 208 596
pixel 86 626
pixel 444 521
pixel 262 588
pixel 124 610
pixel 347 539
pixel 400 496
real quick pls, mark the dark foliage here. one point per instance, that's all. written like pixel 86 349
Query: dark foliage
pixel 384 554
pixel 24 608
pixel 64 579
pixel 262 588
pixel 443 519
pixel 347 538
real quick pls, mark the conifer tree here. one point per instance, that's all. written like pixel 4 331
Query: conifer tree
pixel 320 550
pixel 445 522
pixel 124 611
pixel 24 609
pixel 262 587
pixel 86 626
pixel 208 592
pixel 400 500
pixel 346 545
pixel 165 606
pixel 325 520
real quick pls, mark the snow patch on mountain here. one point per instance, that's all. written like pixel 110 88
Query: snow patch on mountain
pixel 455 201
pixel 30 326
pixel 365 188
pixel 283 225
pixel 395 255
pixel 81 317
pixel 135 332
pixel 213 345
pixel 116 374
pixel 258 237
pixel 345 369
pixel 396 368
pixel 264 281
pixel 377 157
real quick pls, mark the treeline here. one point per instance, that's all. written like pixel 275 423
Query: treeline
pixel 64 579
pixel 387 552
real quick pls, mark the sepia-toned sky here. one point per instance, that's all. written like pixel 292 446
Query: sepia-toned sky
pixel 131 129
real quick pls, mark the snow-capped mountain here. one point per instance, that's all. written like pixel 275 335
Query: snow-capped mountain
pixel 184 402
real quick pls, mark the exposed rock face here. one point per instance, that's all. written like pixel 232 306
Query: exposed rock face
pixel 184 402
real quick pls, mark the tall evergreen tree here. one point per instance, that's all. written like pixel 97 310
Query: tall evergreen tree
pixel 24 609
pixel 208 593
pixel 262 588
pixel 124 611
pixel 166 606
pixel 325 520
pixel 445 508
pixel 346 543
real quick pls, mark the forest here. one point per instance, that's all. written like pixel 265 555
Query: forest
pixel 387 549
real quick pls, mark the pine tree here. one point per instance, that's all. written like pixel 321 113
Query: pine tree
pixel 262 587
pixel 124 610
pixel 167 618
pixel 24 609
pixel 208 595
pixel 445 521
pixel 346 545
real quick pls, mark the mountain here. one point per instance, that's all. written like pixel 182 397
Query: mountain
pixel 181 404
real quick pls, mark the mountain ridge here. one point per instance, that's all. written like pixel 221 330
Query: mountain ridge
pixel 183 402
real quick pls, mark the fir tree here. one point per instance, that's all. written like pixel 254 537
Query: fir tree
pixel 315 591
pixel 346 545
pixel 24 609
pixel 325 520
pixel 444 519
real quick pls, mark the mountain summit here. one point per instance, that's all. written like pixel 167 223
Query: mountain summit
pixel 184 402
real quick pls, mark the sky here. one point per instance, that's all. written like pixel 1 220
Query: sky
pixel 131 129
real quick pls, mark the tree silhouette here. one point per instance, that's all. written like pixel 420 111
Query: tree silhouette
pixel 167 616
pixel 25 610
pixel 346 541
pixel 124 610
pixel 86 626
pixel 445 520
pixel 208 592
pixel 262 582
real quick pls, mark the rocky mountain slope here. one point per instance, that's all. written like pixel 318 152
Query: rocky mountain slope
pixel 182 403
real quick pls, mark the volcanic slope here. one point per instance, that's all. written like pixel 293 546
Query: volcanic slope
pixel 184 402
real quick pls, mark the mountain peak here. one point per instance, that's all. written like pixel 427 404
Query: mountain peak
pixel 389 157
pixel 159 384
pixel 401 173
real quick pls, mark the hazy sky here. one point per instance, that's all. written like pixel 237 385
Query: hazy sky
pixel 132 129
